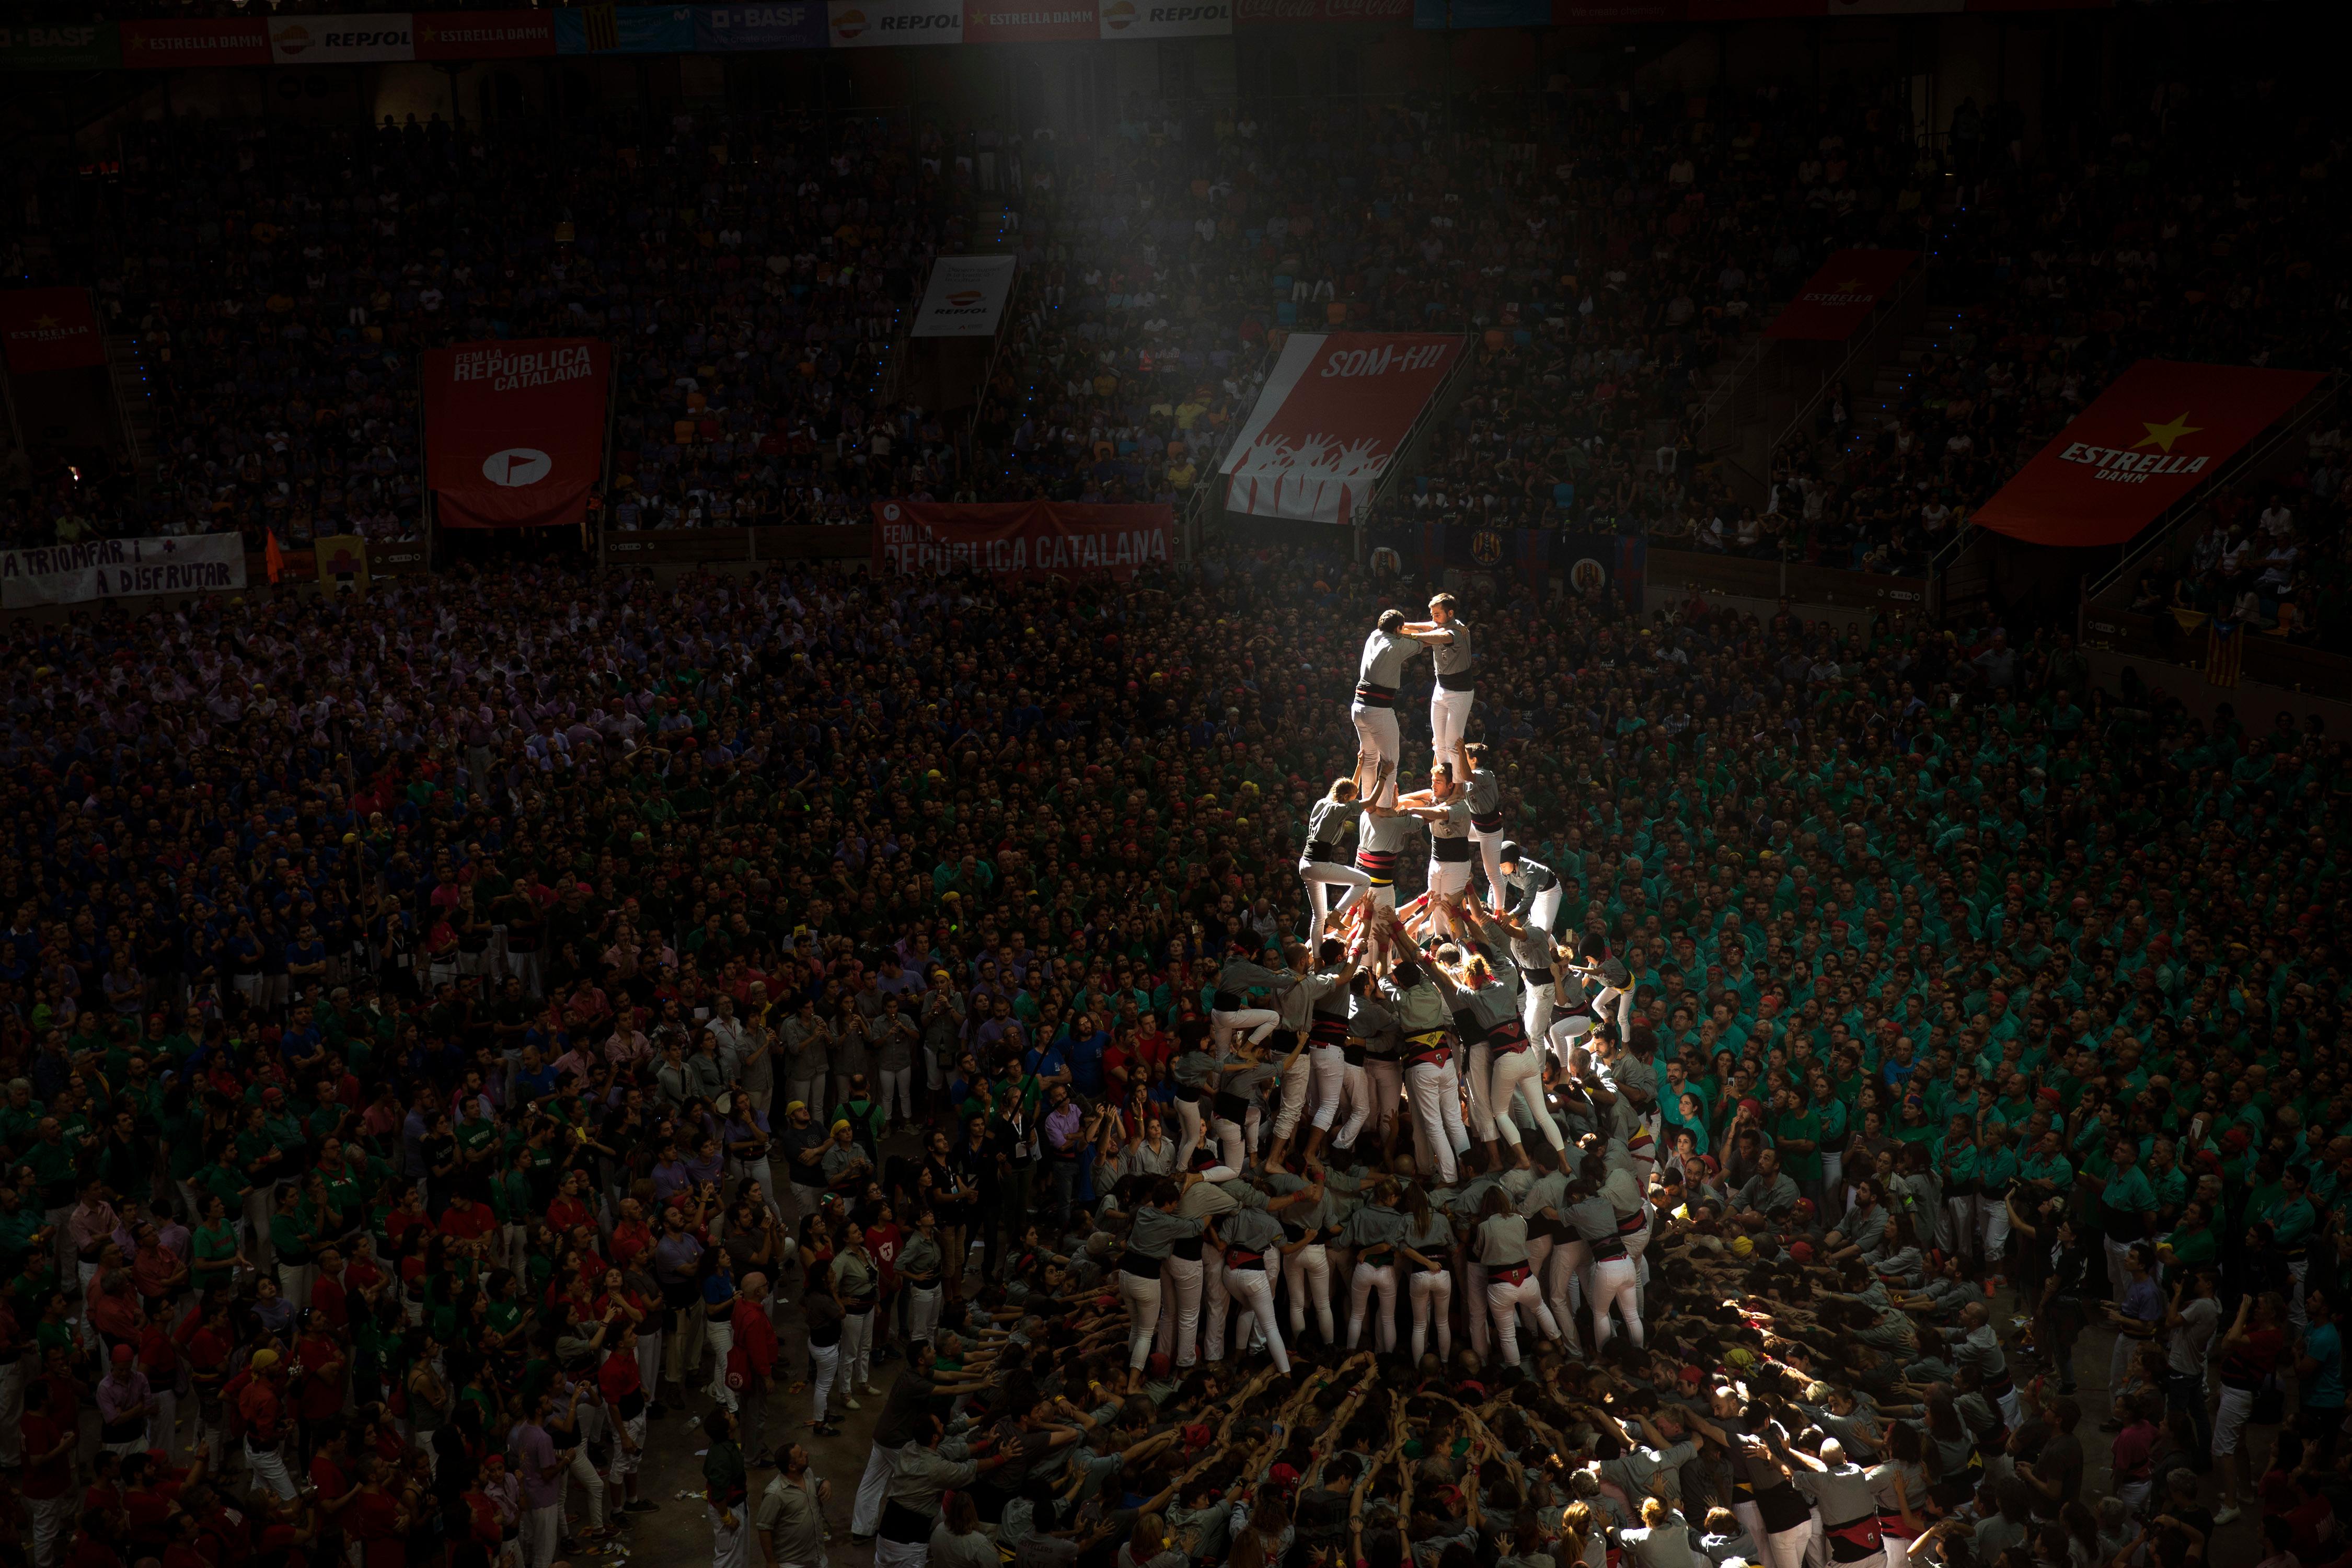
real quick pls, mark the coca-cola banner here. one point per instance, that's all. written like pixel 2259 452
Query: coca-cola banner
pixel 514 432
pixel 1021 539
pixel 1330 419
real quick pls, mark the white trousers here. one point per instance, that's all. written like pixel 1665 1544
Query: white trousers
pixel 731 1547
pixel 874 1489
pixel 1433 1296
pixel 1615 1285
pixel 1622 1001
pixel 1225 1028
pixel 1382 1090
pixel 1292 1103
pixel 1479 1061
pixel 1449 721
pixel 1543 910
pixel 1188 1117
pixel 1321 877
pixel 825 1365
pixel 1447 878
pixel 1504 1301
pixel 856 1351
pixel 1378 740
pixel 1520 1072
pixel 1564 1272
pixel 1179 1319
pixel 1490 859
pixel 1306 1277
pixel 1434 1090
pixel 1368 1277
pixel 267 1468
pixel 922 1313
pixel 1253 1290
pixel 1328 1066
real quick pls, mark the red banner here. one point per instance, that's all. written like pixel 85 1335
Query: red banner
pixel 1021 539
pixel 50 328
pixel 1260 13
pixel 514 433
pixel 1030 21
pixel 1837 299
pixel 1329 420
pixel 2158 431
pixel 165 46
pixel 484 35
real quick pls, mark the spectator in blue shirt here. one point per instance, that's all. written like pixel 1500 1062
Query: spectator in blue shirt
pixel 1083 1049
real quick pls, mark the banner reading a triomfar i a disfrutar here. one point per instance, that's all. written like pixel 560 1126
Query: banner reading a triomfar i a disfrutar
pixel 121 569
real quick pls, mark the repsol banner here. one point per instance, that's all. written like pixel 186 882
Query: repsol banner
pixel 891 24
pixel 965 298
pixel 121 569
pixel 1150 19
pixel 373 38
pixel 1020 539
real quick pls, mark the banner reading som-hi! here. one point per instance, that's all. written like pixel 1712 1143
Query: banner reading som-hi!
pixel 1021 539
pixel 514 432
pixel 2158 431
pixel 1330 421
pixel 1837 299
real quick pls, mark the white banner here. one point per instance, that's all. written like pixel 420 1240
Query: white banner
pixel 965 298
pixel 121 569
pixel 1153 19
pixel 886 24
pixel 342 40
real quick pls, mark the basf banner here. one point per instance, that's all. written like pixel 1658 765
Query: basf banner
pixel 732 29
pixel 50 329
pixel 887 24
pixel 965 298
pixel 514 432
pixel 1151 19
pixel 372 39
pixel 1330 419
pixel 2158 431
pixel 1021 539
pixel 1838 298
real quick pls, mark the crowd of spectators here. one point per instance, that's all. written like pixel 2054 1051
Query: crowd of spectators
pixel 2203 228
pixel 409 941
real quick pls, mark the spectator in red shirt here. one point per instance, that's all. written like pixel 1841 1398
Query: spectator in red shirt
pixel 465 1222
pixel 376 1520
pixel 319 1398
pixel 621 1379
pixel 755 1344
pixel 329 1300
pixel 46 1482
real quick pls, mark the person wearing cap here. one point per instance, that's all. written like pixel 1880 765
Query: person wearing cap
pixel 259 1395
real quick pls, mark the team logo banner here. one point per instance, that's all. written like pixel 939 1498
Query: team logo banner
pixel 1837 299
pixel 965 298
pixel 514 432
pixel 50 328
pixel 1021 539
pixel 70 47
pixel 1148 19
pixel 2158 431
pixel 1330 421
pixel 372 39
pixel 888 23
pixel 121 569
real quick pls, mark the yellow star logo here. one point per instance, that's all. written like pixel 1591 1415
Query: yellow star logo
pixel 1850 285
pixel 2164 435
pixel 45 321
